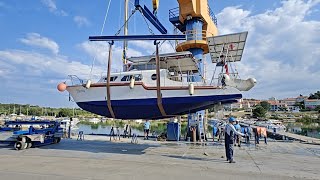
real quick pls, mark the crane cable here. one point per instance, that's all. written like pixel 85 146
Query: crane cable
pixel 102 29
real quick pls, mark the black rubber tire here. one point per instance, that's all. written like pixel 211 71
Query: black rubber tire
pixel 29 145
pixel 56 140
pixel 19 145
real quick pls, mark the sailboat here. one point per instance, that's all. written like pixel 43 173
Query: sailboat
pixel 161 86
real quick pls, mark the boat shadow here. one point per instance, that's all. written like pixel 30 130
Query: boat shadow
pixel 96 146
pixel 197 158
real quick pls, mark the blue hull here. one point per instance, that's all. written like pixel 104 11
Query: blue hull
pixel 148 108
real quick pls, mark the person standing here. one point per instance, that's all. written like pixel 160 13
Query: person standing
pixel 230 131
pixel 146 129
pixel 264 134
pixel 249 133
pixel 237 138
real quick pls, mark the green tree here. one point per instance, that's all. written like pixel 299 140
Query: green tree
pixel 259 111
pixel 65 113
pixel 265 105
pixel 315 95
pixel 300 105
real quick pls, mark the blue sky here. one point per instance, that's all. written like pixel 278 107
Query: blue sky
pixel 42 41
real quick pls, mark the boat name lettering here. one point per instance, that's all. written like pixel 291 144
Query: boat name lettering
pixel 81 91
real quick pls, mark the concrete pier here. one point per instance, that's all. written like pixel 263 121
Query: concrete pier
pixel 96 158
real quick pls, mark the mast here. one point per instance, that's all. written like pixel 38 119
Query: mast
pixel 125 32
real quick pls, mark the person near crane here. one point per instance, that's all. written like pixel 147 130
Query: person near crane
pixel 229 139
pixel 237 138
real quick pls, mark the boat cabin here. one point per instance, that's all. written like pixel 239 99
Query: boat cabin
pixel 174 67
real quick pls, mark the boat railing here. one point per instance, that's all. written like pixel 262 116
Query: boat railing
pixel 185 80
pixel 75 80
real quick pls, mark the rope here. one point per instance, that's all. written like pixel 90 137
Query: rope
pixel 119 31
pixel 144 18
pixel 102 29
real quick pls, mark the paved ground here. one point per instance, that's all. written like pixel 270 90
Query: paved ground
pixel 96 159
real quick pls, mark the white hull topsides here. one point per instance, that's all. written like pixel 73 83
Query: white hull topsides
pixel 144 89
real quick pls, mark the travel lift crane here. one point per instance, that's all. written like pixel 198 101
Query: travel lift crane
pixel 195 19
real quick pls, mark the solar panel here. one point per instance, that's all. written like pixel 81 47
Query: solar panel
pixel 228 48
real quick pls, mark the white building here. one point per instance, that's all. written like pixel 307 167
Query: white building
pixel 311 103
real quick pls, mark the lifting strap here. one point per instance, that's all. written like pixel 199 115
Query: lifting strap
pixel 159 95
pixel 108 81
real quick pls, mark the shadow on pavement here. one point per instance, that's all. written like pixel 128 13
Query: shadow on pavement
pixel 197 158
pixel 95 146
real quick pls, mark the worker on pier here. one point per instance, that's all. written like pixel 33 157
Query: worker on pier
pixel 249 133
pixel 229 139
pixel 237 138
pixel 146 128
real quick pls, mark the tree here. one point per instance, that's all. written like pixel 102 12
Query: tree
pixel 65 113
pixel 315 95
pixel 259 111
pixel 265 105
pixel 300 105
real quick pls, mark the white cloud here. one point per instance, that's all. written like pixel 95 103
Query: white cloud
pixel 30 77
pixel 37 64
pixel 51 5
pixel 100 51
pixel 35 39
pixel 282 49
pixel 81 21
pixel 149 48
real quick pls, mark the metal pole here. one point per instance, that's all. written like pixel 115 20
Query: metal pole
pixel 125 43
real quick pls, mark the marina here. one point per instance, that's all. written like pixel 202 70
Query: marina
pixel 165 90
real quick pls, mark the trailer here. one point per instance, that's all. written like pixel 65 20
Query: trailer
pixel 27 134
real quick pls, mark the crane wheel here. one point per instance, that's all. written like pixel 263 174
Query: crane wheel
pixel 29 145
pixel 19 145
pixel 56 140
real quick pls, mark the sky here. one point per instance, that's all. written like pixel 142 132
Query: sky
pixel 44 41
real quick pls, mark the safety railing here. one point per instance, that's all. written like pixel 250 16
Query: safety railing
pixel 194 35
pixel 185 79
pixel 174 13
pixel 213 16
pixel 75 80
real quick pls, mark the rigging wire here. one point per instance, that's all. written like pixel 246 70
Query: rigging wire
pixel 119 31
pixel 102 29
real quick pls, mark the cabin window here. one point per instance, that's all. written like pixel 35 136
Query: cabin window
pixel 112 78
pixel 154 77
pixel 137 77
pixel 126 78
